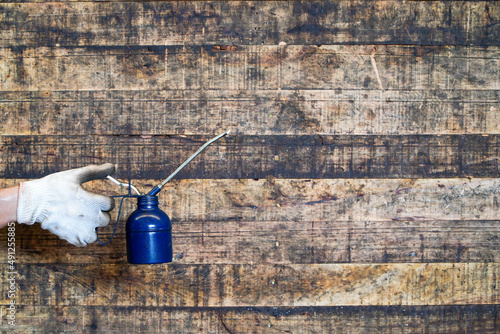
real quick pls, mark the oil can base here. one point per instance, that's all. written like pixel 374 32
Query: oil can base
pixel 149 247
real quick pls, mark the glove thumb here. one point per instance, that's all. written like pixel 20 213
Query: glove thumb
pixel 93 172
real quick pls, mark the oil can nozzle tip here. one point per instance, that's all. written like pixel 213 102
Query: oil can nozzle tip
pixel 158 188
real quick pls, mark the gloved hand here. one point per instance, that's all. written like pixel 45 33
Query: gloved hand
pixel 62 206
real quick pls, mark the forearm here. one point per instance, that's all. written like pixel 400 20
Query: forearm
pixel 8 205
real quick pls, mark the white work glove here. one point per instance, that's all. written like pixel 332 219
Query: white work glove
pixel 62 206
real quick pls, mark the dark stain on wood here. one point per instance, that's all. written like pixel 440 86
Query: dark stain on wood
pixel 313 319
pixel 260 156
pixel 258 22
pixel 291 116
pixel 224 48
pixel 261 285
pixel 227 241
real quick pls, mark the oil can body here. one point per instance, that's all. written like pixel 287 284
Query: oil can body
pixel 149 233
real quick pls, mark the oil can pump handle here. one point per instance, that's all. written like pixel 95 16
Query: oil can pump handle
pixel 158 188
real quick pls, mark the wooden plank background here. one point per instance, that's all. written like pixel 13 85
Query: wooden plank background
pixel 358 191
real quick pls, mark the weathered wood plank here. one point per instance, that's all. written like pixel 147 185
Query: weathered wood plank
pixel 179 23
pixel 313 156
pixel 254 67
pixel 356 319
pixel 322 200
pixel 256 90
pixel 255 285
pixel 229 242
pixel 302 221
pixel 262 254
pixel 353 112
pixel 388 67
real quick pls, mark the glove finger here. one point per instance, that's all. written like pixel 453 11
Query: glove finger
pixel 104 219
pixel 105 203
pixel 95 201
pixel 94 172
pixel 85 234
pixel 75 241
pixel 90 238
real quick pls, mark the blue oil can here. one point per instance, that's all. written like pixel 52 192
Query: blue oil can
pixel 149 233
pixel 148 229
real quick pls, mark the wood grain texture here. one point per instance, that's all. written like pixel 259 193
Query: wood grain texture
pixel 229 285
pixel 326 200
pixel 247 68
pixel 229 242
pixel 178 23
pixel 252 90
pixel 358 192
pixel 356 319
pixel 353 112
pixel 312 156
pixel 303 221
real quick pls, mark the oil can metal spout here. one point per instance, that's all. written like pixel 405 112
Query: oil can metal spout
pixel 149 233
pixel 158 188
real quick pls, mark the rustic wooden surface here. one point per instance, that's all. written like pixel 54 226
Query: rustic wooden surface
pixel 358 191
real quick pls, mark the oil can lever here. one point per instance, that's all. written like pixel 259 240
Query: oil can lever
pixel 158 188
